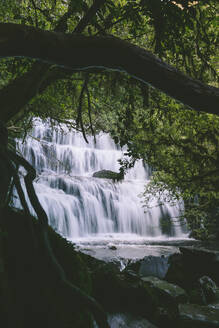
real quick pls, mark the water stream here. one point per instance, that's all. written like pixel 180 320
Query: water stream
pixel 97 213
pixel 87 209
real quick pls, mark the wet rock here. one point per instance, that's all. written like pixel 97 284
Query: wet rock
pixel 130 275
pixel 163 292
pixel 156 266
pixel 209 288
pixel 121 292
pixel 204 291
pixel 200 253
pixel 216 302
pixel 126 291
pixel 107 174
pixel 196 316
pixel 197 296
pixel 124 320
pixel 188 267
pixel 178 272
pixel 112 247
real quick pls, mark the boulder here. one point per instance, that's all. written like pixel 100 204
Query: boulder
pixel 166 298
pixel 204 291
pixel 123 292
pixel 125 320
pixel 156 266
pixel 209 288
pixel 112 247
pixel 128 292
pixel 199 253
pixel 197 296
pixel 177 271
pixel 193 263
pixel 163 292
pixel 107 174
pixel 148 297
pixel 196 316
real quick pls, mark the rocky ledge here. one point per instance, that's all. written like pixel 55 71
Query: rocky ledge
pixel 186 296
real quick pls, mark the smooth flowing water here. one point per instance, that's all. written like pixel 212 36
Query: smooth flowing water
pixel 83 208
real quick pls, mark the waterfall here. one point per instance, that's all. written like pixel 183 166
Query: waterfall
pixel 80 206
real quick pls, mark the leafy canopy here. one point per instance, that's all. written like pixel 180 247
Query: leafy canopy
pixel 180 145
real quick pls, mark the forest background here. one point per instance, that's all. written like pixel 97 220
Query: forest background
pixel 180 144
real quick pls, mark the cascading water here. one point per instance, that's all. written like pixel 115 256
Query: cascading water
pixel 80 206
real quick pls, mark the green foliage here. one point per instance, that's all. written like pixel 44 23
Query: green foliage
pixel 180 145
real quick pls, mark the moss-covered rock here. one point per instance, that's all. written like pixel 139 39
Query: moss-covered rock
pixel 149 297
pixel 196 316
pixel 191 264
pixel 163 292
pixel 107 174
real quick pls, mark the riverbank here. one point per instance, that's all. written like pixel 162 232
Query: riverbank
pixel 29 292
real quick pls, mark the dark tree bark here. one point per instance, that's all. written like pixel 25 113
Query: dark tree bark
pixel 62 283
pixel 89 15
pixel 79 52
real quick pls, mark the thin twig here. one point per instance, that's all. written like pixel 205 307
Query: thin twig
pixel 79 119
pixel 89 112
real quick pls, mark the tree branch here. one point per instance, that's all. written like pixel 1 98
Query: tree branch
pixel 79 119
pixel 80 53
pixel 63 284
pixel 88 16
pixel 89 111
pixel 20 91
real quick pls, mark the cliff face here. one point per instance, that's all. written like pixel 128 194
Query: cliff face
pixel 29 296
